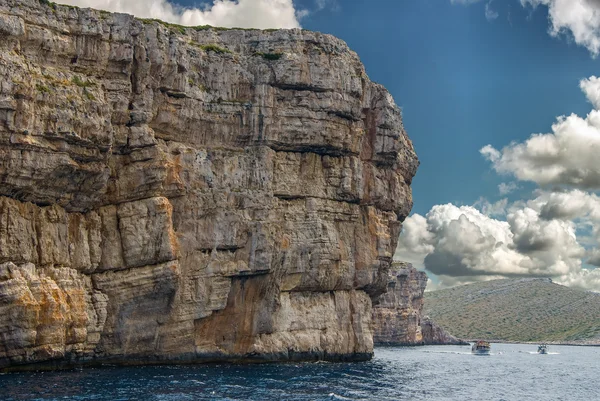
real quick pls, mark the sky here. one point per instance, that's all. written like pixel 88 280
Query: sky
pixel 501 100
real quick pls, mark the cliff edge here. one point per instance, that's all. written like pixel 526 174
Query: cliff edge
pixel 172 194
pixel 398 314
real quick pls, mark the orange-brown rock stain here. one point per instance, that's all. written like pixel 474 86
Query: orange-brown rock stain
pixel 233 330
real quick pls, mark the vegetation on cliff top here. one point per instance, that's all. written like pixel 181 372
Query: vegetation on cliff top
pixel 517 310
pixel 182 29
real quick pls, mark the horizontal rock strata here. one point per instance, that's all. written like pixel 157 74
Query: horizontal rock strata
pixel 172 194
pixel 433 334
pixel 398 314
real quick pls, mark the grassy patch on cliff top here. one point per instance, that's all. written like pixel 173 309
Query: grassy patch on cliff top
pixel 517 310
pixel 50 4
pixel 183 29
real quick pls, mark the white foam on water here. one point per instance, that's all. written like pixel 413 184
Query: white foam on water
pixel 334 396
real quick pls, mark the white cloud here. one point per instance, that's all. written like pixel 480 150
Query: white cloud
pixel 593 257
pixel 331 4
pixel 585 278
pixel 569 205
pixel 416 241
pixel 506 188
pixel 551 235
pixel 491 209
pixel 536 239
pixel 490 153
pixel 490 13
pixel 591 88
pixel 583 209
pixel 568 156
pixel 227 13
pixel 578 18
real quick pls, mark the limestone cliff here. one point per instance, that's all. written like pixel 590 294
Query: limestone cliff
pixel 397 315
pixel 172 194
pixel 433 334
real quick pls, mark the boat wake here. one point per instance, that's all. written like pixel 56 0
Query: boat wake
pixel 461 353
pixel 537 353
pixel 448 352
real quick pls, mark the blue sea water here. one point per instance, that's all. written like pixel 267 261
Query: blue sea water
pixel 512 372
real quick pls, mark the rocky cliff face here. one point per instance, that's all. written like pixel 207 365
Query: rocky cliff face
pixel 190 194
pixel 433 334
pixel 397 315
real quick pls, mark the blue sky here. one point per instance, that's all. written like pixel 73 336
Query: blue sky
pixel 477 81
pixel 463 82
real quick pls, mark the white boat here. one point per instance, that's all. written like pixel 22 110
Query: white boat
pixel 481 348
pixel 542 349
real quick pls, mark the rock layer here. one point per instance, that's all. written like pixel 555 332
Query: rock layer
pixel 172 194
pixel 433 334
pixel 398 314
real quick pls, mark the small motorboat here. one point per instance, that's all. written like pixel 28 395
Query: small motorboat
pixel 480 348
pixel 543 349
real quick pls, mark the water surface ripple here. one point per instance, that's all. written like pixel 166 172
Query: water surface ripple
pixel 512 372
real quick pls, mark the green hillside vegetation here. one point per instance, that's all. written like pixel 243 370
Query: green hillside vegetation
pixel 517 310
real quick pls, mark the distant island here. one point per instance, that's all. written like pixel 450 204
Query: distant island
pixel 519 310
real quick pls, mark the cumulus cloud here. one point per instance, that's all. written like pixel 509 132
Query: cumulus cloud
pixel 568 205
pixel 593 257
pixel 490 153
pixel 555 234
pixel 587 279
pixel 580 19
pixel 227 13
pixel 537 238
pixel 568 156
pixel 591 88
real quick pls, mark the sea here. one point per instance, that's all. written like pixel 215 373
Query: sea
pixel 511 372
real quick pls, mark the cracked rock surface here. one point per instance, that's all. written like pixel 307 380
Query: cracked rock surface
pixel 173 194
pixel 398 314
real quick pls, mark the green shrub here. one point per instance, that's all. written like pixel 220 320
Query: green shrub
pixel 89 95
pixel 42 88
pixel 48 3
pixel 270 56
pixel 175 27
pixel 211 47
pixel 202 27
pixel 82 84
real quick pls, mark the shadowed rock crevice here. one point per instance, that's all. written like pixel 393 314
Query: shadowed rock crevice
pixel 162 200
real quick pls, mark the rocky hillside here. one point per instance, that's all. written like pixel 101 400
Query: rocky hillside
pixel 517 310
pixel 172 194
